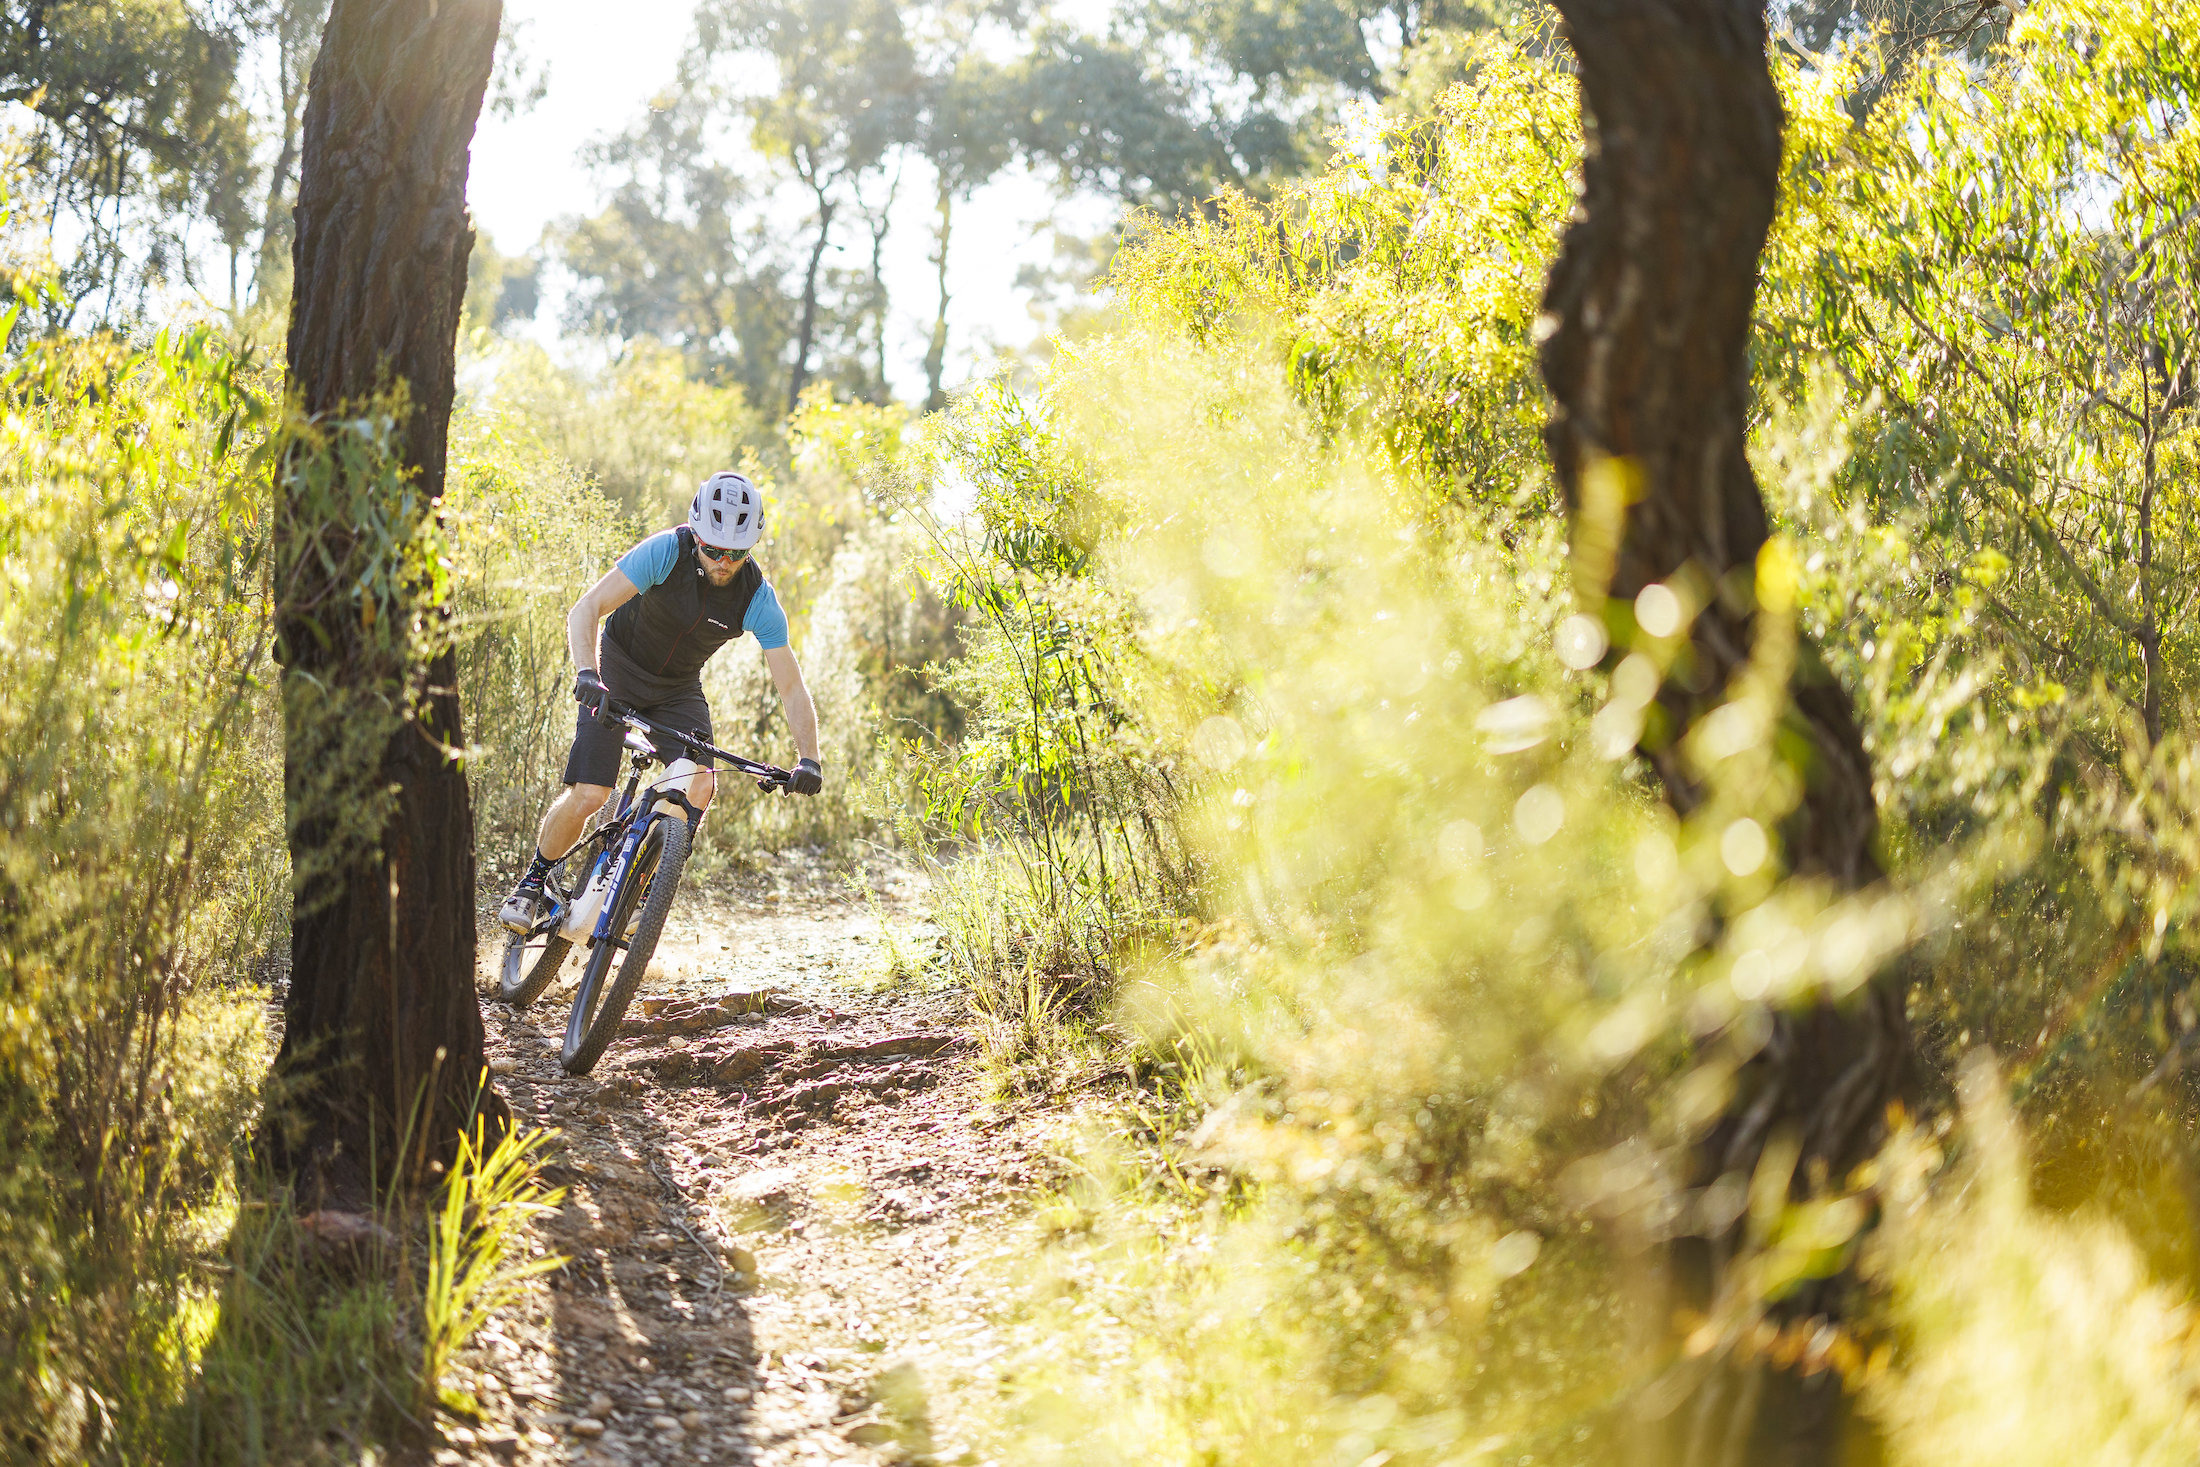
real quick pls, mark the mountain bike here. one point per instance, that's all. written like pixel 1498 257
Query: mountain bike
pixel 629 868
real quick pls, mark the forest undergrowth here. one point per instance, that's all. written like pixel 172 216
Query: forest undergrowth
pixel 1229 678
pixel 1425 992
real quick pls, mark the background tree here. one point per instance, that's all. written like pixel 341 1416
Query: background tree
pixel 1648 362
pixel 141 134
pixel 681 252
pixel 382 1038
pixel 294 30
pixel 1903 29
pixel 1108 114
pixel 846 89
pixel 967 134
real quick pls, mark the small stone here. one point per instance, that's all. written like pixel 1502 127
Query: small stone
pixel 654 1403
pixel 666 1426
pixel 870 1433
pixel 499 1444
pixel 694 1420
pixel 766 1186
pixel 599 1405
pixel 588 1427
pixel 503 1064
pixel 740 1260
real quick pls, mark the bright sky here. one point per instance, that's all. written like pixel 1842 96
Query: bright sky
pixel 526 172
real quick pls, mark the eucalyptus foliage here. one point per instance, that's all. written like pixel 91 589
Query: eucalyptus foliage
pixel 1450 995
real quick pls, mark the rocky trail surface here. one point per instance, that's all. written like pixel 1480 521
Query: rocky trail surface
pixel 790 1208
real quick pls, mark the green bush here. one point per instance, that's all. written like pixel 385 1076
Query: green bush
pixel 1448 993
pixel 142 869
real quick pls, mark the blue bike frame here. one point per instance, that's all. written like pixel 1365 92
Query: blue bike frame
pixel 767 776
pixel 625 858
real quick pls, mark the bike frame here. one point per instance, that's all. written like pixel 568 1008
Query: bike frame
pixel 630 824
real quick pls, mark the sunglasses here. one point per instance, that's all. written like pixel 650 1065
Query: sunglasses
pixel 719 557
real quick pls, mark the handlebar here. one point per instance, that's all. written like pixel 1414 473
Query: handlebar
pixel 767 776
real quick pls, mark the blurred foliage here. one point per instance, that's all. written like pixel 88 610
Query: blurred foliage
pixel 1988 287
pixel 638 429
pixel 1403 283
pixel 1422 1031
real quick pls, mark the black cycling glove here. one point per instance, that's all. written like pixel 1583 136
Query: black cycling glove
pixel 588 690
pixel 809 778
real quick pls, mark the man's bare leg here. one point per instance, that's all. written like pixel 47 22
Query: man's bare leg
pixel 568 814
pixel 567 817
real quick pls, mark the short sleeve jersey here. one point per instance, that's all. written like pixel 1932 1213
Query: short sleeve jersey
pixel 648 563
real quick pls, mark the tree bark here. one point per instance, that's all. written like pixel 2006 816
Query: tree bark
pixel 381 1061
pixel 1648 313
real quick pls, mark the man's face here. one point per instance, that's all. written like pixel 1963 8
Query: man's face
pixel 719 565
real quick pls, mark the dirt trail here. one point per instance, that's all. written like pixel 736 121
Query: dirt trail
pixel 784 1227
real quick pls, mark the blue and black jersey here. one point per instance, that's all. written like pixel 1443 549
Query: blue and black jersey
pixel 656 644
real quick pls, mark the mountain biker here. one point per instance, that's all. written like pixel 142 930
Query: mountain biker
pixel 672 600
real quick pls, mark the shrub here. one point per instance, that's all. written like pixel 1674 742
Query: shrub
pixel 141 867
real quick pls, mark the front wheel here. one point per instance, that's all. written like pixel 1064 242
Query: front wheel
pixel 644 900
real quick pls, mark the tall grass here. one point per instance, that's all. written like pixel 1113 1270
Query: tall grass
pixel 330 1339
pixel 479 1254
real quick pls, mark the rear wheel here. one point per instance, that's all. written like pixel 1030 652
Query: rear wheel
pixel 616 966
pixel 531 962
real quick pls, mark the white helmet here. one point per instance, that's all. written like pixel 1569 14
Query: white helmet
pixel 728 512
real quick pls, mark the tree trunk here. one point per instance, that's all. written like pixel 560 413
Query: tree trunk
pixel 935 353
pixel 382 1045
pixel 1649 311
pixel 880 222
pixel 800 377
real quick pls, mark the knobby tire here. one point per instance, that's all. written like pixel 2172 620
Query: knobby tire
pixel 520 984
pixel 593 1026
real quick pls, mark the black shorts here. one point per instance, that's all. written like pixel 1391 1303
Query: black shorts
pixel 597 746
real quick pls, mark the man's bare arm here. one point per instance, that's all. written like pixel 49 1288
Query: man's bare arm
pixel 794 696
pixel 596 603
